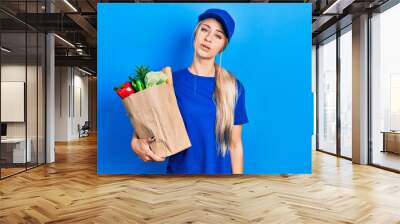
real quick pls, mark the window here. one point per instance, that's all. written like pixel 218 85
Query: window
pixel 327 95
pixel 346 92
pixel 385 88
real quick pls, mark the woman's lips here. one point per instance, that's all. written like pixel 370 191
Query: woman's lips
pixel 205 47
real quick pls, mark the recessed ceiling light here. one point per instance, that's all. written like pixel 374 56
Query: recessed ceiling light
pixel 5 50
pixel 337 7
pixel 64 40
pixel 84 71
pixel 70 5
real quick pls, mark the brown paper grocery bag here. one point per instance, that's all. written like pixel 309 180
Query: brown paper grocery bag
pixel 154 113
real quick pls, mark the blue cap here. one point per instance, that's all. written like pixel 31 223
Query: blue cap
pixel 223 17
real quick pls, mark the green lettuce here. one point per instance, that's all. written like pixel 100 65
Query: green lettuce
pixel 155 78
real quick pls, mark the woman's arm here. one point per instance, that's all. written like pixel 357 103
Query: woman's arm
pixel 236 150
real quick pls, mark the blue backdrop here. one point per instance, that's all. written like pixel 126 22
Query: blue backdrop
pixel 270 52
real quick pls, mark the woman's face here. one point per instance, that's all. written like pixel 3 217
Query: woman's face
pixel 210 38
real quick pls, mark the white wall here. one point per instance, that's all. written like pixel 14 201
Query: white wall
pixel 71 94
pixel 13 72
pixel 81 89
pixel 16 72
pixel 61 103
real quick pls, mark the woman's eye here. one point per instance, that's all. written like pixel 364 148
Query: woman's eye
pixel 204 29
pixel 218 36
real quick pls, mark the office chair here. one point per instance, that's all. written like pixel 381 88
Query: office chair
pixel 84 130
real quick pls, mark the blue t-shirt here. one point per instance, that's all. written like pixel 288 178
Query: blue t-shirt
pixel 194 94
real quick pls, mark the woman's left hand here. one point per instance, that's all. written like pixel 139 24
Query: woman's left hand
pixel 168 71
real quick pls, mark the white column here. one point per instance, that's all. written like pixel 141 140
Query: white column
pixel 50 110
pixel 50 93
pixel 360 90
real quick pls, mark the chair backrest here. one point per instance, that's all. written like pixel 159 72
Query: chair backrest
pixel 86 125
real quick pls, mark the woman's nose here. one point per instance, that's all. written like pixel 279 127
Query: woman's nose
pixel 208 38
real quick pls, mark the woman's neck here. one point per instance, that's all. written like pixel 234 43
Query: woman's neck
pixel 204 67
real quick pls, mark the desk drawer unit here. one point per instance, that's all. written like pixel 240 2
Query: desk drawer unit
pixel 391 142
pixel 13 150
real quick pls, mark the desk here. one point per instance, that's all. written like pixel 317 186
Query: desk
pixel 17 150
pixel 391 141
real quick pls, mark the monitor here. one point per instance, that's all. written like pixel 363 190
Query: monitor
pixel 3 129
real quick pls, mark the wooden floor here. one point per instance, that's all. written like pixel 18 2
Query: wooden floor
pixel 5 172
pixel 70 191
pixel 387 159
pixel 8 171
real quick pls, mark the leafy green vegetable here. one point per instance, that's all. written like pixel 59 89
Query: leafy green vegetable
pixel 155 78
pixel 141 72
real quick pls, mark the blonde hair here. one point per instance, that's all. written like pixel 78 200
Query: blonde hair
pixel 225 96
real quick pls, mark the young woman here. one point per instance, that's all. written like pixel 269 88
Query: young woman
pixel 212 104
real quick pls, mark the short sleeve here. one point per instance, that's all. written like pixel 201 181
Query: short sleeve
pixel 240 107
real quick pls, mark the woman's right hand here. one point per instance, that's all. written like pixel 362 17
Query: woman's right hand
pixel 141 146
